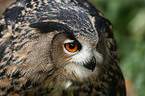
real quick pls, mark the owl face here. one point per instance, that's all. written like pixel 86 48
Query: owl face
pixel 72 49
pixel 75 59
pixel 75 55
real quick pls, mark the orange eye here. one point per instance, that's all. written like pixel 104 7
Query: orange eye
pixel 71 47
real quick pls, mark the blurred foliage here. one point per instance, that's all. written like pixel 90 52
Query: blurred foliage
pixel 128 20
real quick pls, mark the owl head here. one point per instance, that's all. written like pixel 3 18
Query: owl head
pixel 62 41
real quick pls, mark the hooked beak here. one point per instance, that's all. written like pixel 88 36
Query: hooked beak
pixel 91 65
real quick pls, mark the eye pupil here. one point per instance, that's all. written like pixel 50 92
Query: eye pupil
pixel 71 45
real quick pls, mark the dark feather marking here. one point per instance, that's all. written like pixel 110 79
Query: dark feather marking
pixel 3 46
pixel 27 85
pixel 1 29
pixel 46 27
pixel 12 14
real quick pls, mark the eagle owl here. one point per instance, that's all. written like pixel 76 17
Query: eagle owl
pixel 58 48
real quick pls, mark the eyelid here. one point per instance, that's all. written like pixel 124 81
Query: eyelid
pixel 69 41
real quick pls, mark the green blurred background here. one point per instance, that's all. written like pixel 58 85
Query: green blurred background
pixel 128 20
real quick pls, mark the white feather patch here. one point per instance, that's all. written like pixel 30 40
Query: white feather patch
pixel 84 55
pixel 79 70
